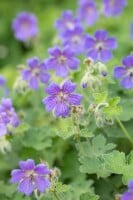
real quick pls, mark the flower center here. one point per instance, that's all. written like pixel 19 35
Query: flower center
pixel 76 39
pixel 35 71
pixel 61 97
pixel 70 25
pixel 130 72
pixel 29 173
pixel 62 60
pixel 25 25
pixel 99 46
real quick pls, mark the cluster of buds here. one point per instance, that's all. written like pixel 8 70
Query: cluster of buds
pixel 94 75
pixel 99 115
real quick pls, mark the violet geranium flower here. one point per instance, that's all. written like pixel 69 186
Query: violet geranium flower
pixel 87 11
pixel 128 195
pixel 25 26
pixel 75 39
pixel 8 116
pixel 99 47
pixel 35 72
pixel 67 22
pixel 62 60
pixel 113 7
pixel 61 98
pixel 125 73
pixel 31 177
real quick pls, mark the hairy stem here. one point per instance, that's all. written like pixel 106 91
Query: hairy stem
pixel 124 130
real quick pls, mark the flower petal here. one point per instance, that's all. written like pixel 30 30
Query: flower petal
pixel 101 35
pixel 50 102
pixel 90 42
pixel 26 74
pixel 110 43
pixel 41 183
pixel 61 109
pixel 53 89
pixel 105 55
pixel 73 63
pixel 93 54
pixel 61 70
pixel 33 83
pixel 126 82
pixel 74 99
pixel 54 51
pixel 119 72
pixel 26 186
pixel 33 62
pixel 3 129
pixel 17 175
pixel 42 169
pixel 68 87
pixel 27 165
pixel 44 77
pixel 127 196
pixel 128 61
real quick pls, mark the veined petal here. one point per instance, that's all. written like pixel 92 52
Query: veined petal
pixel 73 63
pixel 128 61
pixel 17 175
pixel 61 109
pixel 26 186
pixel 44 77
pixel 42 169
pixel 61 70
pixel 68 87
pixel 74 99
pixel 93 54
pixel 50 102
pixel 53 89
pixel 27 165
pixel 41 183
pixel 90 42
pixel 54 51
pixel 33 62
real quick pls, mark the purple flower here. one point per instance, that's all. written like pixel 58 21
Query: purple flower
pixel 75 39
pixel 100 46
pixel 8 116
pixel 30 177
pixel 67 22
pixel 113 7
pixel 128 195
pixel 88 12
pixel 25 26
pixel 35 72
pixel 62 60
pixel 125 73
pixel 61 98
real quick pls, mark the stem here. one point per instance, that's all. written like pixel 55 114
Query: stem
pixel 124 130
pixel 56 196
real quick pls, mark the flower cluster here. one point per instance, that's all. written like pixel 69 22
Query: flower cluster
pixel 31 177
pixel 8 116
pixel 125 73
pixel 35 72
pixel 25 26
pixel 61 98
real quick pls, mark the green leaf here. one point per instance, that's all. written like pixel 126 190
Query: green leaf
pixel 100 97
pixel 60 188
pixel 89 196
pixel 85 133
pixel 23 127
pixel 112 109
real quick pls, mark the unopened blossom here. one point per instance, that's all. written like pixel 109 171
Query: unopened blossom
pixel 61 98
pixel 125 72
pixel 87 11
pixel 35 72
pixel 62 60
pixel 67 22
pixel 113 7
pixel 8 116
pixel 128 195
pixel 100 46
pixel 75 39
pixel 31 177
pixel 25 26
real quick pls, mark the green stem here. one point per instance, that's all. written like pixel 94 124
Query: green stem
pixel 56 196
pixel 124 130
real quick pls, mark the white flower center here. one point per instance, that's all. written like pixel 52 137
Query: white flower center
pixel 62 60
